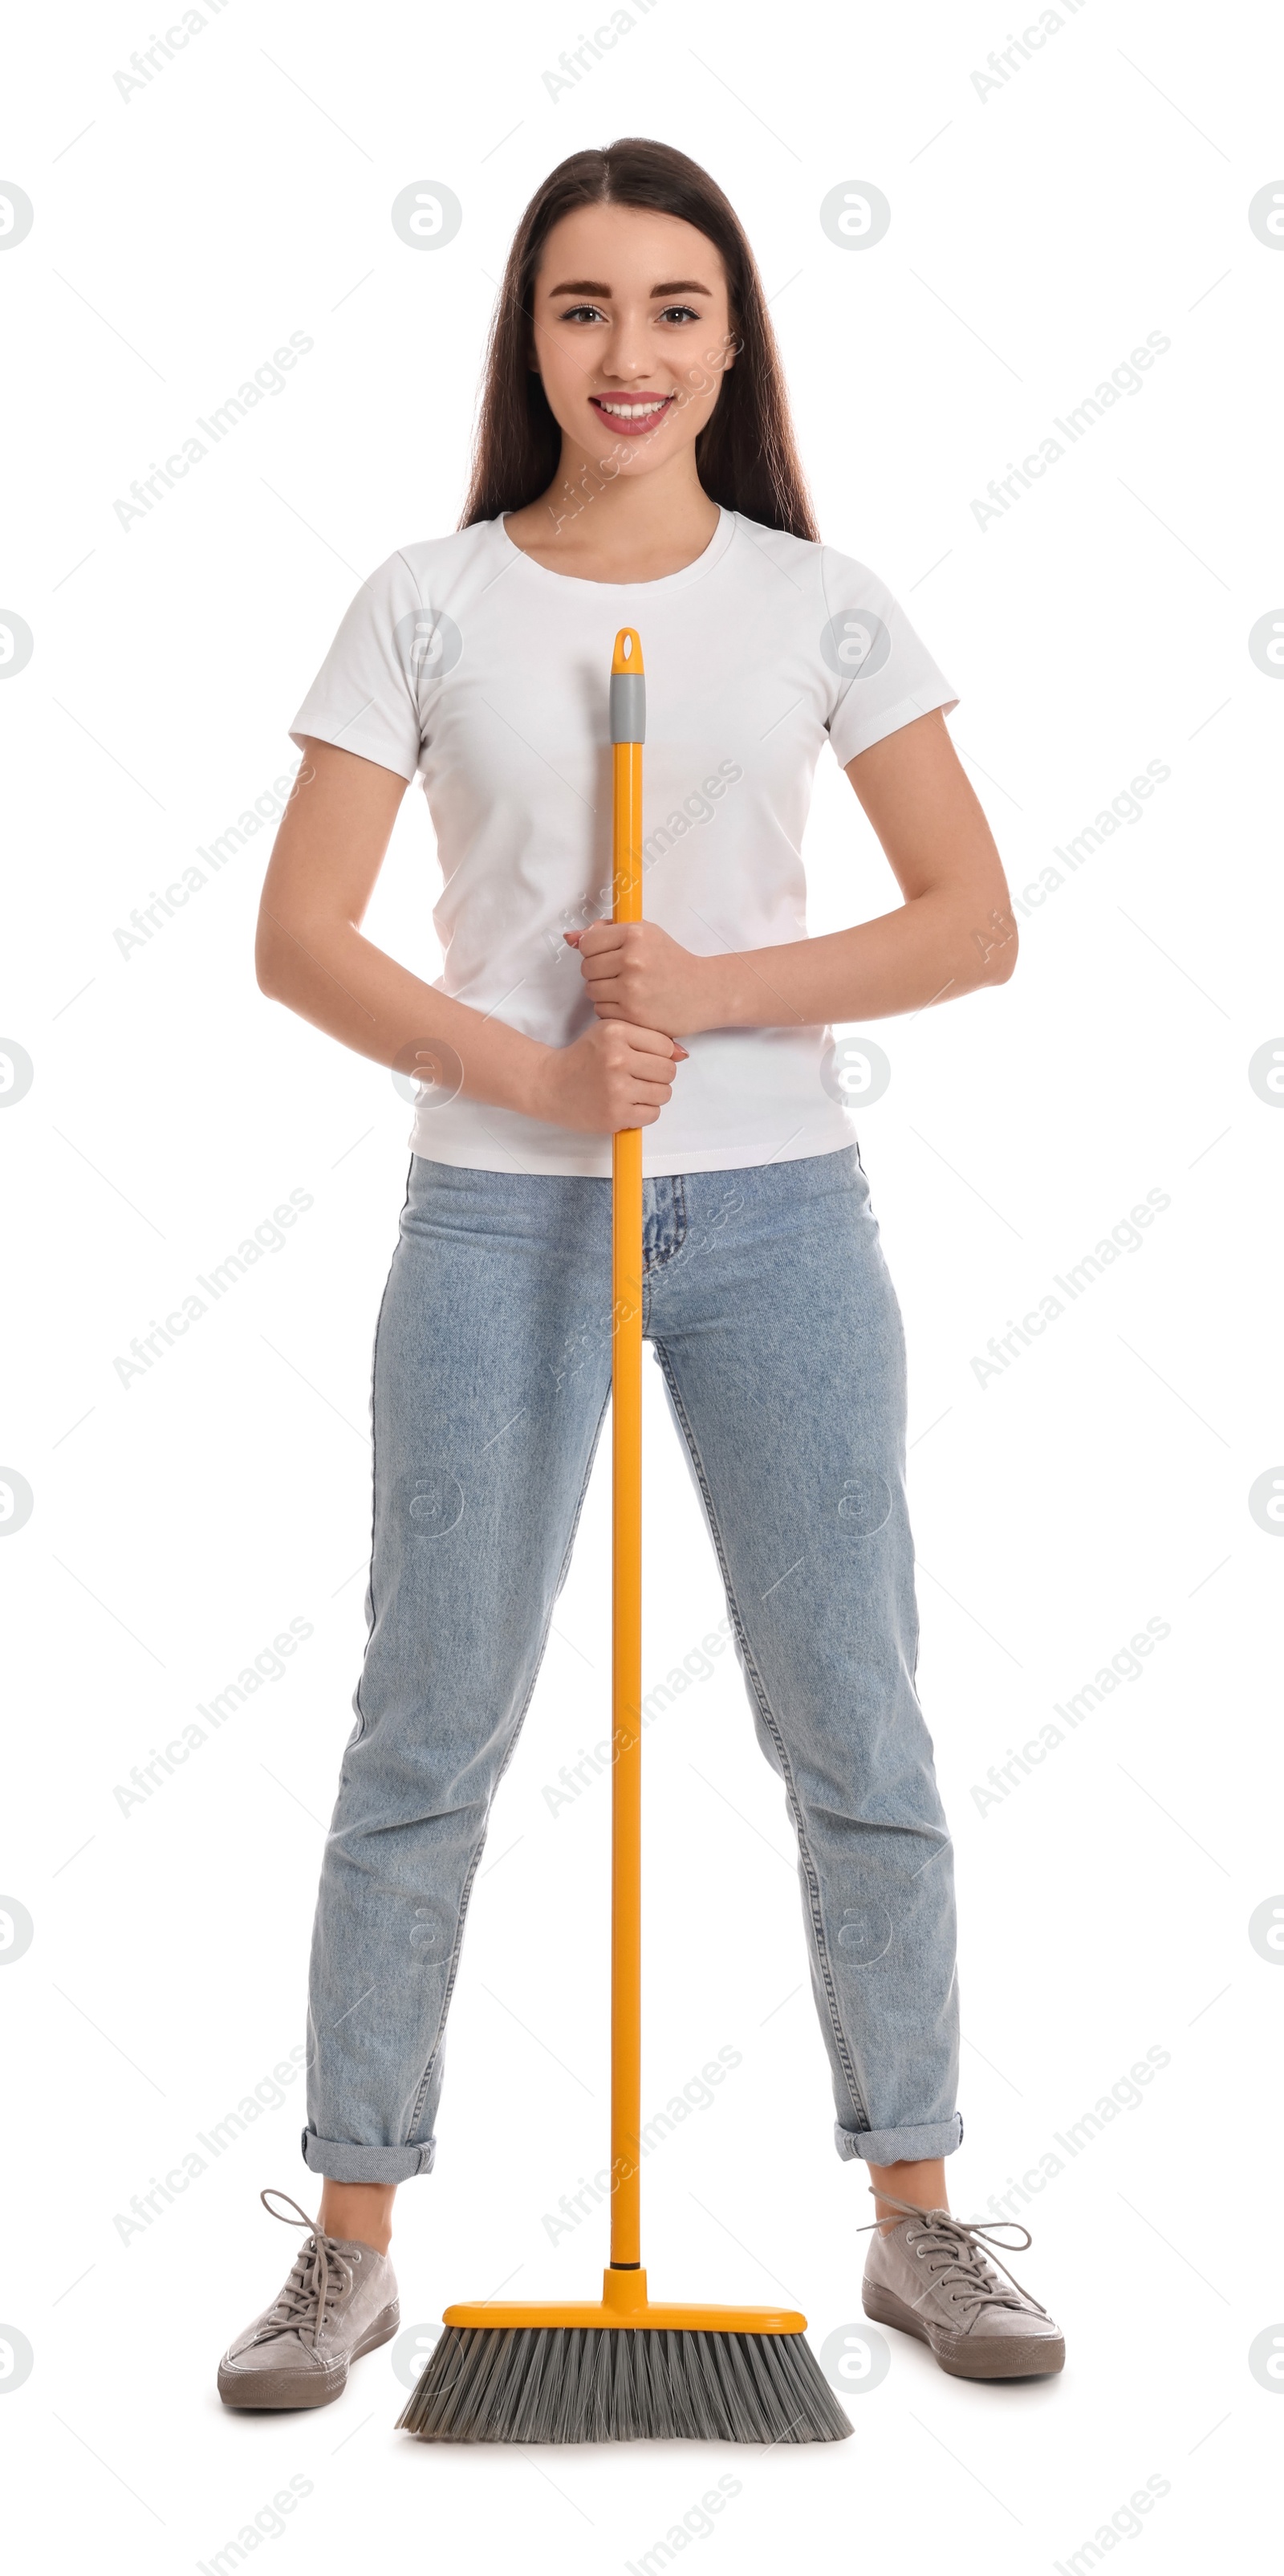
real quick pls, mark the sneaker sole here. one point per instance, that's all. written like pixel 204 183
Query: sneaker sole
pixel 998 2357
pixel 259 2390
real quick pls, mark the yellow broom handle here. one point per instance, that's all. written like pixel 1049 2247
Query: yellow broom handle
pixel 626 1517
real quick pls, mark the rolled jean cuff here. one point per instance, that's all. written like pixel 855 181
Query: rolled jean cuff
pixel 340 2161
pixel 899 2146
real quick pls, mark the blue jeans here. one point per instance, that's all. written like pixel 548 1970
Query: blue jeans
pixel 772 1314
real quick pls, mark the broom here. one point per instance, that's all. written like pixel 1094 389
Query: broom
pixel 623 2368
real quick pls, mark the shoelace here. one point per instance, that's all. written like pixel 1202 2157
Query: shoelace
pixel 320 2276
pixel 965 2272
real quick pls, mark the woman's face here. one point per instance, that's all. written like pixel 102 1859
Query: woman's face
pixel 632 334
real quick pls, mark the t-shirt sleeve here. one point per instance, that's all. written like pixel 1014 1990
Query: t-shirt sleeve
pixel 365 695
pixel 879 672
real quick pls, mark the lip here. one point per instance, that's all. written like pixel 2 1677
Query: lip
pixel 633 428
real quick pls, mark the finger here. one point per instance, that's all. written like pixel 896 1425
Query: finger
pixel 600 935
pixel 649 1067
pixel 655 1042
pixel 615 1012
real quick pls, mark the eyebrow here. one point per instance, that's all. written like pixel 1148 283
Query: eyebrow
pixel 594 286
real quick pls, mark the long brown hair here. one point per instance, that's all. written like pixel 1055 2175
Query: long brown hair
pixel 745 455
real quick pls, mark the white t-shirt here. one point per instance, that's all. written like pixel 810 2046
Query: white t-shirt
pixel 463 660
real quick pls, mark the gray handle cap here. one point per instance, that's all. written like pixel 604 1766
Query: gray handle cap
pixel 628 706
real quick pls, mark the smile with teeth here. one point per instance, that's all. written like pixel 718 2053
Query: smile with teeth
pixel 631 407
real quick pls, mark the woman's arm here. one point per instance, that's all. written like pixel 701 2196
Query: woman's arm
pixel 954 932
pixel 309 954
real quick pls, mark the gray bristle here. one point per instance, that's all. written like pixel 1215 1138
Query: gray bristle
pixel 620 2384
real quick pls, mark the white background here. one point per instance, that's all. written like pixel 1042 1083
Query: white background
pixel 1038 234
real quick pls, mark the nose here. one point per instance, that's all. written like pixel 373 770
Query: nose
pixel 627 356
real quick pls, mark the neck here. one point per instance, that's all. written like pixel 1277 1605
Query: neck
pixel 590 509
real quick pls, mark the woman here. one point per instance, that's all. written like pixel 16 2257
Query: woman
pixel 634 465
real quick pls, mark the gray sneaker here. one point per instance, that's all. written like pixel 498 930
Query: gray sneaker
pixel 930 2275
pixel 340 2301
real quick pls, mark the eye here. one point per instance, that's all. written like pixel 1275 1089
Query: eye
pixel 574 312
pixel 686 311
